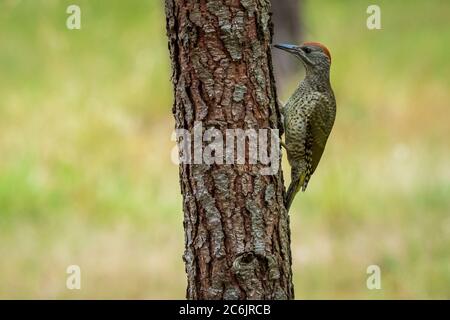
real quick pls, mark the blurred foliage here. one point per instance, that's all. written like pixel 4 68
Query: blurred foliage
pixel 86 176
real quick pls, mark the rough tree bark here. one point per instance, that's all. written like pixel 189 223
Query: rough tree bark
pixel 237 237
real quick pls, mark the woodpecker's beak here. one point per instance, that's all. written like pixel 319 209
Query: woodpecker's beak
pixel 286 47
pixel 296 51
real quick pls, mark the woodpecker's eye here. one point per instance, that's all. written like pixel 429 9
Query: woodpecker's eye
pixel 307 50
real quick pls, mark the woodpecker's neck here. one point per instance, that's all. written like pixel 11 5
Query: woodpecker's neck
pixel 318 78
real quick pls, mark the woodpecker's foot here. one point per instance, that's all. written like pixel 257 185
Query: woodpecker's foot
pixel 284 145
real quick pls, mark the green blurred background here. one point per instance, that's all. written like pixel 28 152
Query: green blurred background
pixel 86 176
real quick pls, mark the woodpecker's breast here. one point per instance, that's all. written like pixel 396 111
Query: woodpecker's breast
pixel 309 117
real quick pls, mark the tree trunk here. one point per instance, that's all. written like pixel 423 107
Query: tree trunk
pixel 237 238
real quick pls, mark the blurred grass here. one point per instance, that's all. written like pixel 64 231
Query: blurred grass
pixel 86 176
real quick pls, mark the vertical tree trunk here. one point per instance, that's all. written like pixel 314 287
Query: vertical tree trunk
pixel 237 238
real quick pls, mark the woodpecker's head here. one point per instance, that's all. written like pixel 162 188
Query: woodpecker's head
pixel 314 55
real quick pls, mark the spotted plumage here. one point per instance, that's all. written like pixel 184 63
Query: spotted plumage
pixel 308 115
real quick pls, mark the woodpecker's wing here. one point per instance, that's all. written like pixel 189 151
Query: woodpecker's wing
pixel 320 123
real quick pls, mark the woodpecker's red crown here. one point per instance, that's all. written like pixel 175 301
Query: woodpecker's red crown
pixel 321 46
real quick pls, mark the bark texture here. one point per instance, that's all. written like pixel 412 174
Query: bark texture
pixel 237 238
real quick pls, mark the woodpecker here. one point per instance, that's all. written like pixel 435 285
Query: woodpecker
pixel 308 115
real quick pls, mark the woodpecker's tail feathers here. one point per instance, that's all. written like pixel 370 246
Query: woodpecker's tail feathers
pixel 293 189
pixel 305 183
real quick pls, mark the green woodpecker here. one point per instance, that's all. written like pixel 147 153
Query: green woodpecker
pixel 308 115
